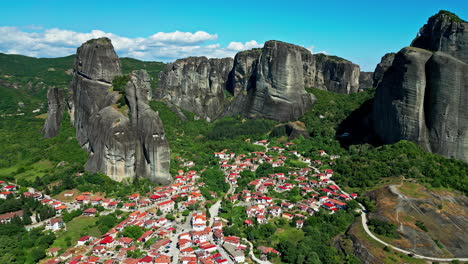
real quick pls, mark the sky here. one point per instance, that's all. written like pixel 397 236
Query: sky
pixel 359 31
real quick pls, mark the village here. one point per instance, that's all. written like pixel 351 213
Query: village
pixel 179 225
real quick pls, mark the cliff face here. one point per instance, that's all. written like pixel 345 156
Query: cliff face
pixel 275 89
pixel 267 82
pixel 382 67
pixel 422 95
pixel 444 32
pixel 333 74
pixel 196 84
pixel 121 144
pixel 365 80
pixel 152 153
pixel 56 102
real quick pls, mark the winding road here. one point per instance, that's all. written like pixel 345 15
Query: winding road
pixel 366 228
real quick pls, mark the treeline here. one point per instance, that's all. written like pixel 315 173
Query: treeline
pixel 20 246
pixel 29 206
pixel 365 168
pixel 229 128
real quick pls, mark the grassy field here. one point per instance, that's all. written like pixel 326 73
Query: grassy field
pixel 38 169
pixel 413 190
pixel 78 227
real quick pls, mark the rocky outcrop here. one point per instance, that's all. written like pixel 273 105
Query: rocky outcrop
pixel 121 143
pixel 56 102
pixel 278 92
pixel 296 129
pixel 152 153
pixel 382 67
pixel 267 82
pixel 243 74
pixel 365 80
pixel 196 84
pixel 332 73
pixel 444 32
pixel 422 96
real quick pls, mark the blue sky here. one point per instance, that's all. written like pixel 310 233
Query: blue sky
pixel 360 31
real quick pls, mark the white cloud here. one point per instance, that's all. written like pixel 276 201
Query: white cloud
pixel 312 47
pixel 165 46
pixel 238 46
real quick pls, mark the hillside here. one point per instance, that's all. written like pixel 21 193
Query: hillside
pixel 30 78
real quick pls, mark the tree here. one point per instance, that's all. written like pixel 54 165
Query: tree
pixel 159 212
pixel 133 232
pixel 37 254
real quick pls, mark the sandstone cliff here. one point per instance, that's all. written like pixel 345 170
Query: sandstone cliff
pixel 56 102
pixel 122 144
pixel 422 95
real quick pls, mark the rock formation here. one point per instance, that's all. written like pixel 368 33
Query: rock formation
pixel 365 80
pixel 333 74
pixel 279 91
pixel 267 82
pixel 196 84
pixel 444 32
pixel 56 102
pixel 242 76
pixel 382 67
pixel 122 144
pixel 152 150
pixel 422 96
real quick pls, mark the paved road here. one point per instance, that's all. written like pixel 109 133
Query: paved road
pixel 366 228
pixel 251 254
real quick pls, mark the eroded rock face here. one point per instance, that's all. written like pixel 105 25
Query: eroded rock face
pixel 382 67
pixel 122 144
pixel 152 149
pixel 279 90
pixel 267 82
pixel 243 74
pixel 275 88
pixel 334 74
pixel 422 96
pixel 56 102
pixel 444 32
pixel 365 80
pixel 197 84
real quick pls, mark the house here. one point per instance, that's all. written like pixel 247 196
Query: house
pixel 4 195
pixel 6 218
pixel 162 259
pixel 322 153
pixel 53 252
pixel 54 224
pixel 146 236
pixel 233 240
pixel 89 212
pixel 10 188
pixel 235 253
pixel 265 250
pixel 146 259
pixel 108 241
pixel 82 241
pixel 288 216
pixel 166 206
pixel 299 224
pixel 124 241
